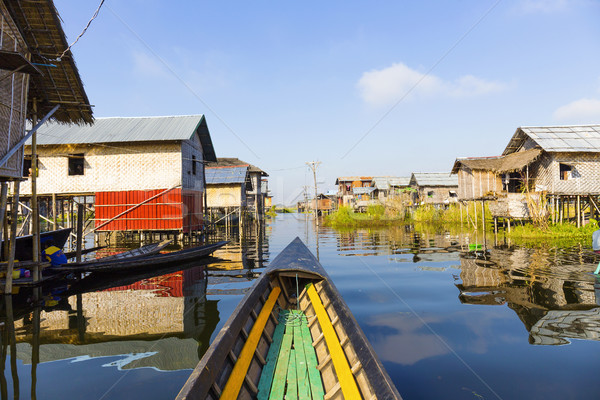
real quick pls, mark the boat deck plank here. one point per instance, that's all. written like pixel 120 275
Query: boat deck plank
pixel 292 377
pixel 266 377
pixel 278 388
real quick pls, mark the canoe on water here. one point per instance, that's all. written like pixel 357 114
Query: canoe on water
pixel 146 261
pixel 291 336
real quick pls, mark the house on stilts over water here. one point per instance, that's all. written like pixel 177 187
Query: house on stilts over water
pixel 544 172
pixel 235 188
pixel 39 81
pixel 140 174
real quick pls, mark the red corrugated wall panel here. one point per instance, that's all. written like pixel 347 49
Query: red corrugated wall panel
pixel 172 210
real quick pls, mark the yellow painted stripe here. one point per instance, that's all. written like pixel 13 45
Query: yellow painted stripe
pixel 340 363
pixel 236 378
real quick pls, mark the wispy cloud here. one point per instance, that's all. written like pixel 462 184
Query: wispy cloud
pixel 385 86
pixel 147 65
pixel 545 6
pixel 579 111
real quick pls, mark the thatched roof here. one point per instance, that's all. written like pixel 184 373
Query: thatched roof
pixel 500 164
pixel 234 162
pixel 39 24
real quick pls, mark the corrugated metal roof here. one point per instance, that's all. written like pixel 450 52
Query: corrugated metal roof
pixel 226 175
pixel 575 138
pixel 363 190
pixel 434 179
pixel 121 129
pixel 385 182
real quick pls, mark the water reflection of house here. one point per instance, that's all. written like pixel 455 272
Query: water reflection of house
pixel 167 319
pixel 554 302
pixel 435 188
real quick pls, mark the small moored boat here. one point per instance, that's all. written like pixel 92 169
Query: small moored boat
pixel 292 335
pixel 140 261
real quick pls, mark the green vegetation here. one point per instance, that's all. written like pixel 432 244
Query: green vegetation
pixel 376 215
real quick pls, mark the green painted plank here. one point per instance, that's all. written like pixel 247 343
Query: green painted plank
pixel 266 376
pixel 292 383
pixel 303 384
pixel 316 383
pixel 278 387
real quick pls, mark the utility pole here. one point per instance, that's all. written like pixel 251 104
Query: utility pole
pixel 313 165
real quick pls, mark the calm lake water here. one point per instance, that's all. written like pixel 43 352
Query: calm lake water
pixel 452 316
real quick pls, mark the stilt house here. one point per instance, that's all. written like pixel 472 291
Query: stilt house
pixel 143 173
pixel 39 81
pixel 346 186
pixel 255 196
pixel 559 163
pixel 389 186
pixel 434 187
pixel 227 189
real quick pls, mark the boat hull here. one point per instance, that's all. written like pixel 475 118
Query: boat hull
pixel 348 365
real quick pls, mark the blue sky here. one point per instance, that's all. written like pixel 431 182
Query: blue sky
pixel 367 88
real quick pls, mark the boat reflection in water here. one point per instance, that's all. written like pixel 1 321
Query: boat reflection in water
pixel 161 321
pixel 553 293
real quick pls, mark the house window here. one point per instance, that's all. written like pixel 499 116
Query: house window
pixel 565 171
pixel 193 164
pixel 27 166
pixel 453 193
pixel 430 193
pixel 76 164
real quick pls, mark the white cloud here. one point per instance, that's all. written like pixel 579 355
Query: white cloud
pixel 580 111
pixel 391 84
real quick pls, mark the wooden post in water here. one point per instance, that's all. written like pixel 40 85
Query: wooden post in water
pixel 80 212
pixel 54 219
pixel 3 201
pixel 35 219
pixel 578 211
pixel 13 238
pixel 483 216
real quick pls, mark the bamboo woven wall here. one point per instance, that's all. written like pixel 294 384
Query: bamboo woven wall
pixel 475 184
pixel 114 167
pixel 584 179
pixel 225 195
pixel 13 98
pixel 441 195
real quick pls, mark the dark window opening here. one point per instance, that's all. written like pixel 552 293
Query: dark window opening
pixel 193 164
pixel 453 194
pixel 76 164
pixel 565 171
pixel 27 166
pixel 430 193
pixel 348 188
pixel 515 183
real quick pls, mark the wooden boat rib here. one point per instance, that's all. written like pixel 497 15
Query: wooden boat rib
pixel 143 261
pixel 279 342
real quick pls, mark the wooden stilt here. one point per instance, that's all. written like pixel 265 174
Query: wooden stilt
pixel 578 211
pixel 80 212
pixel 13 237
pixel 54 222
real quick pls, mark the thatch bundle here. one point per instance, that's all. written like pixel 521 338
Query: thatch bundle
pixel 39 24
